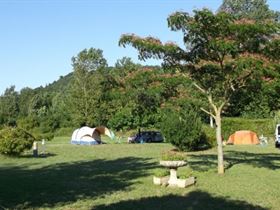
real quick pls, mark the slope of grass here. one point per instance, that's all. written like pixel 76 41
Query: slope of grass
pixel 119 176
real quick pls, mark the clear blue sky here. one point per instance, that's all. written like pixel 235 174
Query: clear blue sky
pixel 38 38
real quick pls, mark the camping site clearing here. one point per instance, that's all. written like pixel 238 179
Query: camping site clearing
pixel 119 176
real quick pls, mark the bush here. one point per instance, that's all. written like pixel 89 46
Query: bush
pixel 14 141
pixel 210 135
pixel 184 130
pixel 28 122
pixel 64 132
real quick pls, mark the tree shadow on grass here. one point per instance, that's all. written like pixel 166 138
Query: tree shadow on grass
pixel 196 200
pixel 205 162
pixel 60 184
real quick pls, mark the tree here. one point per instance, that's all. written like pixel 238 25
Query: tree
pixel 39 104
pixel 90 60
pixel 222 54
pixel 87 65
pixel 126 65
pixel 249 9
pixel 146 105
pixel 25 96
pixel 9 108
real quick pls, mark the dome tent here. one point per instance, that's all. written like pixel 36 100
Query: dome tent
pixel 90 136
pixel 243 137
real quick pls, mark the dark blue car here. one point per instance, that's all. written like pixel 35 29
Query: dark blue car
pixel 147 137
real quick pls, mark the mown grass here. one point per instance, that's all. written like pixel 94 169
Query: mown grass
pixel 119 176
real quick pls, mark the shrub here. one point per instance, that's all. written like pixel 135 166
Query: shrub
pixel 183 129
pixel 28 122
pixel 210 135
pixel 64 132
pixel 13 141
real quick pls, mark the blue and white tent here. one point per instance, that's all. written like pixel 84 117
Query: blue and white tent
pixel 90 136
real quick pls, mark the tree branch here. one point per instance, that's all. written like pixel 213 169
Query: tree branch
pixel 199 88
pixel 222 105
pixel 207 112
pixel 212 103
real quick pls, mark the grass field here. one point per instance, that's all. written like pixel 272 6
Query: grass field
pixel 119 176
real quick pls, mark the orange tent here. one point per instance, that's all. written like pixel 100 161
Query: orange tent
pixel 243 137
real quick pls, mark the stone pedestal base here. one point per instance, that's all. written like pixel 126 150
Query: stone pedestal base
pixel 173 177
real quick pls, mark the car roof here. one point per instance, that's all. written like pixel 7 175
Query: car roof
pixel 150 132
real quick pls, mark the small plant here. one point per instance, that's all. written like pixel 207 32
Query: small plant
pixel 173 156
pixel 14 141
pixel 185 175
pixel 161 172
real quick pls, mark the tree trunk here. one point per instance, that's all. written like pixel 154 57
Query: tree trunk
pixel 219 143
pixel 211 122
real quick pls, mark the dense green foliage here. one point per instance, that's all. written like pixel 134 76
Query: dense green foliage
pixel 183 129
pixel 14 141
pixel 47 110
pixel 125 97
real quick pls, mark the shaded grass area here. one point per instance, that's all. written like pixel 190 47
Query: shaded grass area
pixel 119 176
pixel 232 158
pixel 68 182
pixel 196 200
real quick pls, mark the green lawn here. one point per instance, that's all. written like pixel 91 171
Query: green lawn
pixel 119 176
